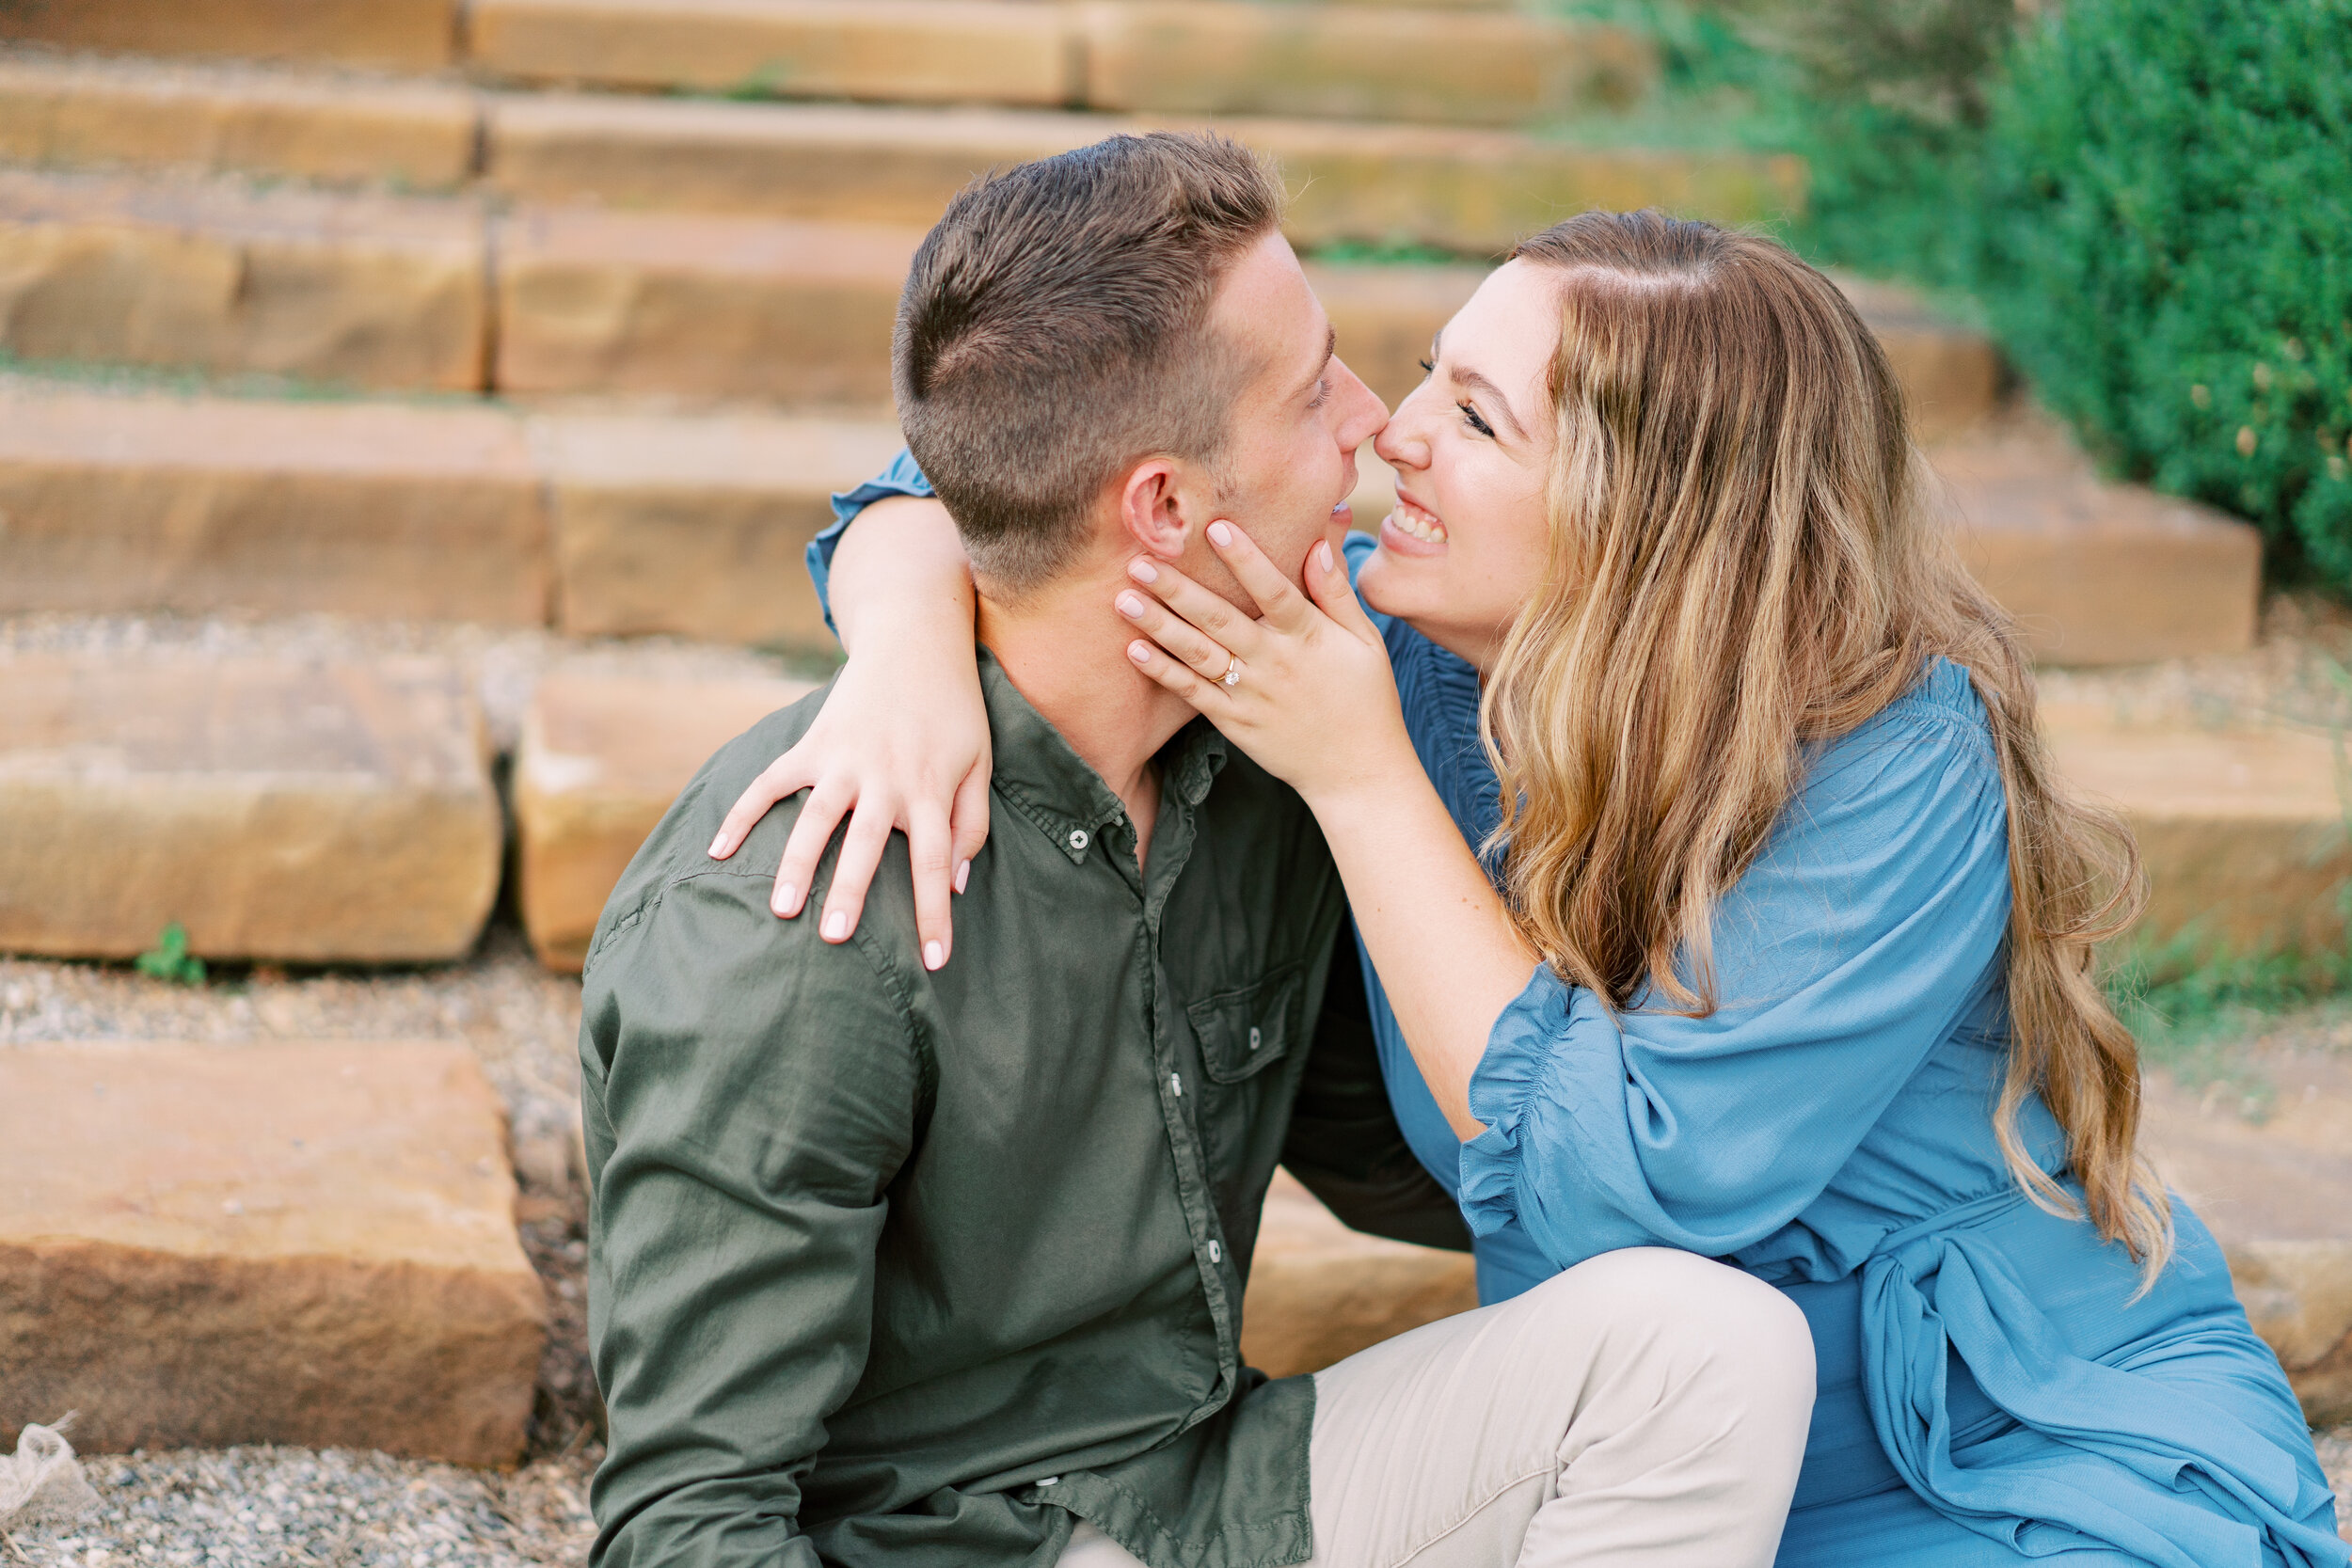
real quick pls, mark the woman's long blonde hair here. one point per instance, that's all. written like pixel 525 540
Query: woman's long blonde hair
pixel 1740 564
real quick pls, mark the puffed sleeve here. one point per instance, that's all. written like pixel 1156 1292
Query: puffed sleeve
pixel 1865 931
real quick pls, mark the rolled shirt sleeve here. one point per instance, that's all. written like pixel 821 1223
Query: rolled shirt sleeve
pixel 748 1099
pixel 1867 928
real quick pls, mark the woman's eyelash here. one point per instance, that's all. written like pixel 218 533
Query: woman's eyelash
pixel 1427 368
pixel 1476 422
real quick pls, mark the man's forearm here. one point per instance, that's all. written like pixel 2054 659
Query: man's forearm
pixel 899 573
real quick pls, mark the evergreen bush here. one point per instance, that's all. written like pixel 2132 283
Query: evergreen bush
pixel 2163 201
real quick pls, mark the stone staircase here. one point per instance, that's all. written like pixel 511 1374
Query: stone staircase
pixel 566 315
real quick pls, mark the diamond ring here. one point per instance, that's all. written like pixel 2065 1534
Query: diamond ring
pixel 1232 675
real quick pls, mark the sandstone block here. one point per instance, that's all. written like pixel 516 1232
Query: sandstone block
pixel 698 527
pixel 601 759
pixel 307 1243
pixel 2098 573
pixel 1479 192
pixel 879 165
pixel 138 503
pixel 401 35
pixel 370 291
pixel 1348 62
pixel 80 113
pixel 1472 191
pixel 2242 830
pixel 698 305
pixel 2276 1194
pixel 1952 377
pixel 904 51
pixel 282 811
pixel 1319 1292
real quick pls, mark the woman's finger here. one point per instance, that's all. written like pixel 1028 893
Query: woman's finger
pixel 1208 659
pixel 820 814
pixel 1279 602
pixel 1208 698
pixel 968 818
pixel 1213 615
pixel 779 781
pixel 930 846
pixel 1326 579
pixel 853 871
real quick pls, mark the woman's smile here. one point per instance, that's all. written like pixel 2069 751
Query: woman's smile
pixel 1412 529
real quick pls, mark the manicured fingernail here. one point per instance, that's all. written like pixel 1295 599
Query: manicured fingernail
pixel 934 954
pixel 1131 605
pixel 963 874
pixel 1220 535
pixel 787 900
pixel 1322 557
pixel 1140 652
pixel 1143 571
pixel 836 925
pixel 719 846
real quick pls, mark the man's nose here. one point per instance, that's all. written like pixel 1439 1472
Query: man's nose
pixel 1359 411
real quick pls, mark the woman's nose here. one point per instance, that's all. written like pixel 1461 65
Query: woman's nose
pixel 1401 443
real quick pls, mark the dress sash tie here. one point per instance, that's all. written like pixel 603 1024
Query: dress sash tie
pixel 1947 1287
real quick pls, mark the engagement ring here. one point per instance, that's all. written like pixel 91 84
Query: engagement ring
pixel 1232 675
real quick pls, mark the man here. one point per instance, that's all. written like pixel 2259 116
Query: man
pixel 901 1262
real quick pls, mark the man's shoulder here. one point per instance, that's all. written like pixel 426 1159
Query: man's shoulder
pixel 679 848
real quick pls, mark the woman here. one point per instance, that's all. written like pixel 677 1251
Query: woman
pixel 1755 769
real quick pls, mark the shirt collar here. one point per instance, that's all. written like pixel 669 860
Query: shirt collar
pixel 1045 780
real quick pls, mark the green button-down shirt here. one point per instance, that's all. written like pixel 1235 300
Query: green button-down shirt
pixel 897 1267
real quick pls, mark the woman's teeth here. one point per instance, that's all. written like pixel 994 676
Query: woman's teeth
pixel 1414 523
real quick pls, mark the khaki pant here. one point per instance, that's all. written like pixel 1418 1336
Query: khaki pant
pixel 1646 1407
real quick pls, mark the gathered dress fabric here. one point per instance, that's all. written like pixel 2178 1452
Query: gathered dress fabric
pixel 1997 1383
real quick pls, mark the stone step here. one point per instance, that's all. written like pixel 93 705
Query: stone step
pixel 400 35
pixel 2273 1182
pixel 602 757
pixel 1469 191
pixel 2096 573
pixel 1465 190
pixel 276 810
pixel 1319 1292
pixel 198 505
pixel 307 1243
pixel 696 527
pixel 603 524
pixel 362 290
pixel 798 313
pixel 2242 830
pixel 1201 57
pixel 81 112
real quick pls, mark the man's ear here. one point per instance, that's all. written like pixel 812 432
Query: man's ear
pixel 1151 508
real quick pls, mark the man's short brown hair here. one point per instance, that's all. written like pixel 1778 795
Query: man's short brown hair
pixel 1055 329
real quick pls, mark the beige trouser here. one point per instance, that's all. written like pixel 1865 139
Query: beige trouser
pixel 1646 1407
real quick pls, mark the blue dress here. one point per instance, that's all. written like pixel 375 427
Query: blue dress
pixel 1993 1389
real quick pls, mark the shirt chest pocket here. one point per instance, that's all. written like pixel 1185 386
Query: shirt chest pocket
pixel 1245 1030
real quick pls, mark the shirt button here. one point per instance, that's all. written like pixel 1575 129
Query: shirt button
pixel 1257 1038
pixel 1077 838
pixel 1176 1082
pixel 1047 1481
pixel 1216 1253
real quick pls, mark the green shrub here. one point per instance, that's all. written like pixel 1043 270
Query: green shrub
pixel 2165 201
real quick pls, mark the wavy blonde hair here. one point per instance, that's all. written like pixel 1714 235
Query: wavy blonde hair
pixel 1741 564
